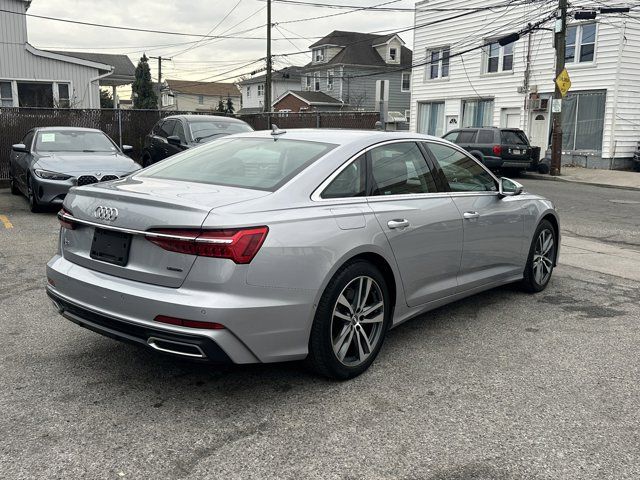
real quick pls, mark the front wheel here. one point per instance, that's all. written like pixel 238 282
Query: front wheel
pixel 14 186
pixel 34 205
pixel 541 260
pixel 350 322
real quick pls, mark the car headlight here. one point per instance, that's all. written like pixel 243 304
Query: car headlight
pixel 47 175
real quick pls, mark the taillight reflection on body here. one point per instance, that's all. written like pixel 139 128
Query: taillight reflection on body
pixel 239 245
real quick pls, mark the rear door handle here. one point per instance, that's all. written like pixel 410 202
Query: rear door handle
pixel 399 223
pixel 470 215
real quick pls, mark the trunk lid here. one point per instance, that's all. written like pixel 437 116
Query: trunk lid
pixel 143 204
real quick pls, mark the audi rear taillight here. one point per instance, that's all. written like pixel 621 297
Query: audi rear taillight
pixel 65 222
pixel 497 150
pixel 238 244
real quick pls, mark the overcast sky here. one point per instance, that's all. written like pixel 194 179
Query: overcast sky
pixel 211 59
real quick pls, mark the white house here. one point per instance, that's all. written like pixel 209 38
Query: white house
pixel 512 85
pixel 192 96
pixel 30 77
pixel 253 88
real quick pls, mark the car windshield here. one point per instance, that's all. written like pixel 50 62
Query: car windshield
pixel 209 129
pixel 73 141
pixel 256 163
pixel 514 137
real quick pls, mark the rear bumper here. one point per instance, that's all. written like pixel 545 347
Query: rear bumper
pixel 261 324
pixel 497 162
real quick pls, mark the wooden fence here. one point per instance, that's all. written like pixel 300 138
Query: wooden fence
pixel 129 127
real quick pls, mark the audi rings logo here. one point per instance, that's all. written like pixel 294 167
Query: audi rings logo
pixel 108 214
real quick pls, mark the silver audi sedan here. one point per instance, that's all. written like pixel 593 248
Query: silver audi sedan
pixel 273 246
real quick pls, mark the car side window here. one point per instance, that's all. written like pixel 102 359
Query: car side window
pixel 28 140
pixel 167 128
pixel 467 136
pixel 400 169
pixel 452 136
pixel 462 172
pixel 350 182
pixel 179 131
pixel 485 137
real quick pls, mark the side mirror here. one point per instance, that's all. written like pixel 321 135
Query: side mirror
pixel 174 140
pixel 510 188
pixel 127 149
pixel 20 147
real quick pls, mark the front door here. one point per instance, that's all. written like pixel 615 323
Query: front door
pixel 423 226
pixel 493 225
pixel 539 127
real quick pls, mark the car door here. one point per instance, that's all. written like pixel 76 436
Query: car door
pixel 493 225
pixel 422 225
pixel 22 161
pixel 179 132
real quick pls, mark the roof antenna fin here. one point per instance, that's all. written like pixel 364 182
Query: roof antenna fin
pixel 275 131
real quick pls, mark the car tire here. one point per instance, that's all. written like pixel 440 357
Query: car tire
pixel 34 205
pixel 356 327
pixel 541 259
pixel 543 168
pixel 14 186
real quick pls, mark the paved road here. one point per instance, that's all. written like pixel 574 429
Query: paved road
pixel 604 214
pixel 499 386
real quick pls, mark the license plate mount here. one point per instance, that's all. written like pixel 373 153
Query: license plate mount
pixel 111 247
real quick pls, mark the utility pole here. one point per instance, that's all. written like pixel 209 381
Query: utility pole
pixel 560 44
pixel 267 83
pixel 160 60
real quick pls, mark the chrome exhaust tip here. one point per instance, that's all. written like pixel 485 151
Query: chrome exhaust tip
pixel 176 348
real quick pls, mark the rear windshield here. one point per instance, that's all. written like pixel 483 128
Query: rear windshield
pixel 513 137
pixel 256 163
pixel 209 129
pixel 73 141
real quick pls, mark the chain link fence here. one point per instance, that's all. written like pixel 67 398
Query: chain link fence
pixel 129 127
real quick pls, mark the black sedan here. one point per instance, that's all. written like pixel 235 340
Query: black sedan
pixel 49 161
pixel 174 134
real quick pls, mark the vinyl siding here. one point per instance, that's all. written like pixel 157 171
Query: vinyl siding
pixel 467 81
pixel 16 63
pixel 189 103
pixel 278 88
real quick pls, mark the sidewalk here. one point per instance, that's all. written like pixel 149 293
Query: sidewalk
pixel 592 176
pixel 600 257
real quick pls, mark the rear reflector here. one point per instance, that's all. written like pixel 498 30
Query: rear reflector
pixel 189 323
pixel 65 222
pixel 239 245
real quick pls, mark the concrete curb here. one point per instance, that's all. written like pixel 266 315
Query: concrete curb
pixel 538 176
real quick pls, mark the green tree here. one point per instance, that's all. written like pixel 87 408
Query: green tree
pixel 221 107
pixel 230 107
pixel 106 101
pixel 144 95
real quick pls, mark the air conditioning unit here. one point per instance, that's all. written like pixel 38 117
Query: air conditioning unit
pixel 539 104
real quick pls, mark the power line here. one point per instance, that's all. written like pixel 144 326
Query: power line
pixel 355 9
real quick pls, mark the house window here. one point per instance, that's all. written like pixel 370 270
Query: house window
pixel 318 54
pixel 438 66
pixel 393 54
pixel 261 89
pixel 499 59
pixel 407 115
pixel 406 82
pixel 200 99
pixel 583 121
pixel 6 95
pixel 39 95
pixel 329 79
pixel 316 82
pixel 477 113
pixel 431 118
pixel 581 43
pixel 307 83
pixel 248 91
pixel 64 100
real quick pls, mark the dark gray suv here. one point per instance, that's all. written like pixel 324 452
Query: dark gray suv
pixel 504 148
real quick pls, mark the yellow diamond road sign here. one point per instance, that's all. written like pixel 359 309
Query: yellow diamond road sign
pixel 564 82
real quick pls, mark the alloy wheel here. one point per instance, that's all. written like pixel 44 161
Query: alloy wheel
pixel 357 321
pixel 543 257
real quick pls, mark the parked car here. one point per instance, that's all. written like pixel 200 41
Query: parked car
pixel 50 160
pixel 266 247
pixel 496 148
pixel 177 133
